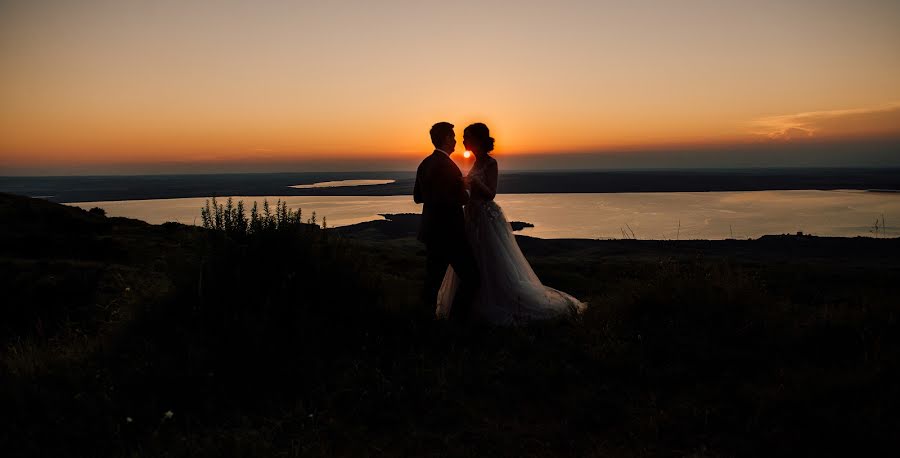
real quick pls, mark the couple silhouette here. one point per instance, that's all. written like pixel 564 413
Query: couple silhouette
pixel 475 271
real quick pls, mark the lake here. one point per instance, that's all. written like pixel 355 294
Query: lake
pixel 659 215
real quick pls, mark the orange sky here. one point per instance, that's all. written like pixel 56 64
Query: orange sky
pixel 94 82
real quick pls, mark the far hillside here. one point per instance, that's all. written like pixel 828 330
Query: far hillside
pixel 112 187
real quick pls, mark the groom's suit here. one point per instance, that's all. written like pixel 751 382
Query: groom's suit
pixel 439 186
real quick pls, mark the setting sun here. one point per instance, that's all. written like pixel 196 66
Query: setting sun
pixel 467 154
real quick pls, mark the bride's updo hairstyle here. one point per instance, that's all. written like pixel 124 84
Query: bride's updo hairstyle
pixel 479 132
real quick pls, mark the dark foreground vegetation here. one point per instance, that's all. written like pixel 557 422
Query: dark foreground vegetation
pixel 123 338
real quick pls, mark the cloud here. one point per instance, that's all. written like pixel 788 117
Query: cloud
pixel 859 122
pixel 792 133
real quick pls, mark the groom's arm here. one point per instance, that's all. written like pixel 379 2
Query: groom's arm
pixel 423 186
pixel 417 189
pixel 452 190
pixel 457 189
pixel 462 196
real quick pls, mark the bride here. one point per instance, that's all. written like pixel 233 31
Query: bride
pixel 510 291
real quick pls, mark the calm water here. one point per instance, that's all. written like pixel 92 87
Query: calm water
pixel 342 184
pixel 701 215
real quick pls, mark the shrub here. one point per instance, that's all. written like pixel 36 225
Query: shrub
pixel 233 220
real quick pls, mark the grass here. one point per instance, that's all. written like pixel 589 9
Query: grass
pixel 287 342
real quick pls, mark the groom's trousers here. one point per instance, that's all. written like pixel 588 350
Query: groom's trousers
pixel 459 255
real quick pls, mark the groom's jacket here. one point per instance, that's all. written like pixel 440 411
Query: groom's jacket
pixel 439 186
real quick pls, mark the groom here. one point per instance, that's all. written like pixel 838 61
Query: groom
pixel 440 186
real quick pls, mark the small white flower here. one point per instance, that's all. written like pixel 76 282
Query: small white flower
pixel 169 414
pixel 128 420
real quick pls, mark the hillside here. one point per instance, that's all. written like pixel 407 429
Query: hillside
pixel 117 187
pixel 124 338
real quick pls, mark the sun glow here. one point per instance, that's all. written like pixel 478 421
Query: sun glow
pixel 113 91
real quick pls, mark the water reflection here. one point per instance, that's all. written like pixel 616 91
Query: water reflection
pixel 685 215
pixel 342 184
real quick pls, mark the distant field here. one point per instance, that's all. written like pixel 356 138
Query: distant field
pixel 107 188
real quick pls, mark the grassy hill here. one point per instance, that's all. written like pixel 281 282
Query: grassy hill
pixel 124 338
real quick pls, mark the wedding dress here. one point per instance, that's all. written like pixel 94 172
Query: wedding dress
pixel 510 291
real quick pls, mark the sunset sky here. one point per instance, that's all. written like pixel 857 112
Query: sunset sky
pixel 95 86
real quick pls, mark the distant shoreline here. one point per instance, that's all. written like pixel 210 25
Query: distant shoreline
pixel 115 188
